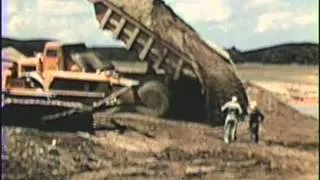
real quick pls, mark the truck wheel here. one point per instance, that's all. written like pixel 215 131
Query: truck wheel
pixel 154 97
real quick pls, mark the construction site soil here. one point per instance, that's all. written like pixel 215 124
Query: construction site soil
pixel 139 147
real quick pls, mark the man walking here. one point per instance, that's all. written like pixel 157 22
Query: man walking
pixel 255 118
pixel 233 114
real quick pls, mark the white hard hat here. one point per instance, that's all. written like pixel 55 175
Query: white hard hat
pixel 253 104
pixel 234 99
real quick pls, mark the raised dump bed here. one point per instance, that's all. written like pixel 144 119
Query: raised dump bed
pixel 167 54
pixel 148 46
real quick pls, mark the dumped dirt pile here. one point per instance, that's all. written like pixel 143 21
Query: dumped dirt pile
pixel 286 122
pixel 219 76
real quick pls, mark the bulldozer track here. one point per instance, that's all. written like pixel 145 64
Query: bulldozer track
pixel 30 101
pixel 111 100
pixel 74 107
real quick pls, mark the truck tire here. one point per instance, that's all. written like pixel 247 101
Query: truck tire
pixel 154 97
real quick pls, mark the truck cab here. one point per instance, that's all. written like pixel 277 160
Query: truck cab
pixel 52 59
pixel 57 56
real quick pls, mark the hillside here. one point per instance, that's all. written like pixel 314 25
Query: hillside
pixel 299 53
pixel 28 47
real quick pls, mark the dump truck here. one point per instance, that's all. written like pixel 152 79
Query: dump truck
pixel 178 75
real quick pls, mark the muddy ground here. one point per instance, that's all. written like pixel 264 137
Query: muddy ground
pixel 138 147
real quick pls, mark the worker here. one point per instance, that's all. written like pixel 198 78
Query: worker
pixel 255 118
pixel 234 111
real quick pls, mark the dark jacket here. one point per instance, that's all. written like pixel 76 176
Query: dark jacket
pixel 255 117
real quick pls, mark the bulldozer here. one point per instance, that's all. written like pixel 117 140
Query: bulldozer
pixel 51 79
pixel 68 76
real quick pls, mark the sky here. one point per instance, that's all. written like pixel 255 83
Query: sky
pixel 245 24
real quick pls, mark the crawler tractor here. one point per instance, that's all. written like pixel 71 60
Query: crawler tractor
pixel 63 85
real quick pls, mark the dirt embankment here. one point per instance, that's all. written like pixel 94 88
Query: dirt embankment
pixel 296 85
pixel 140 147
pixel 286 122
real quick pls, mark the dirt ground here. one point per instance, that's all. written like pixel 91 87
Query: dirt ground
pixel 130 146
pixel 169 151
pixel 140 147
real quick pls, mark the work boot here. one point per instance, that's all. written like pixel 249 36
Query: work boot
pixel 254 138
pixel 235 138
pixel 226 138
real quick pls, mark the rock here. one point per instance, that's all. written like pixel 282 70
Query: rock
pixel 41 150
pixel 31 143
pixel 84 135
pixel 54 142
pixel 55 172
pixel 24 155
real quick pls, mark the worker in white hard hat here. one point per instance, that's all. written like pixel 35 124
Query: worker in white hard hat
pixel 255 118
pixel 234 112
